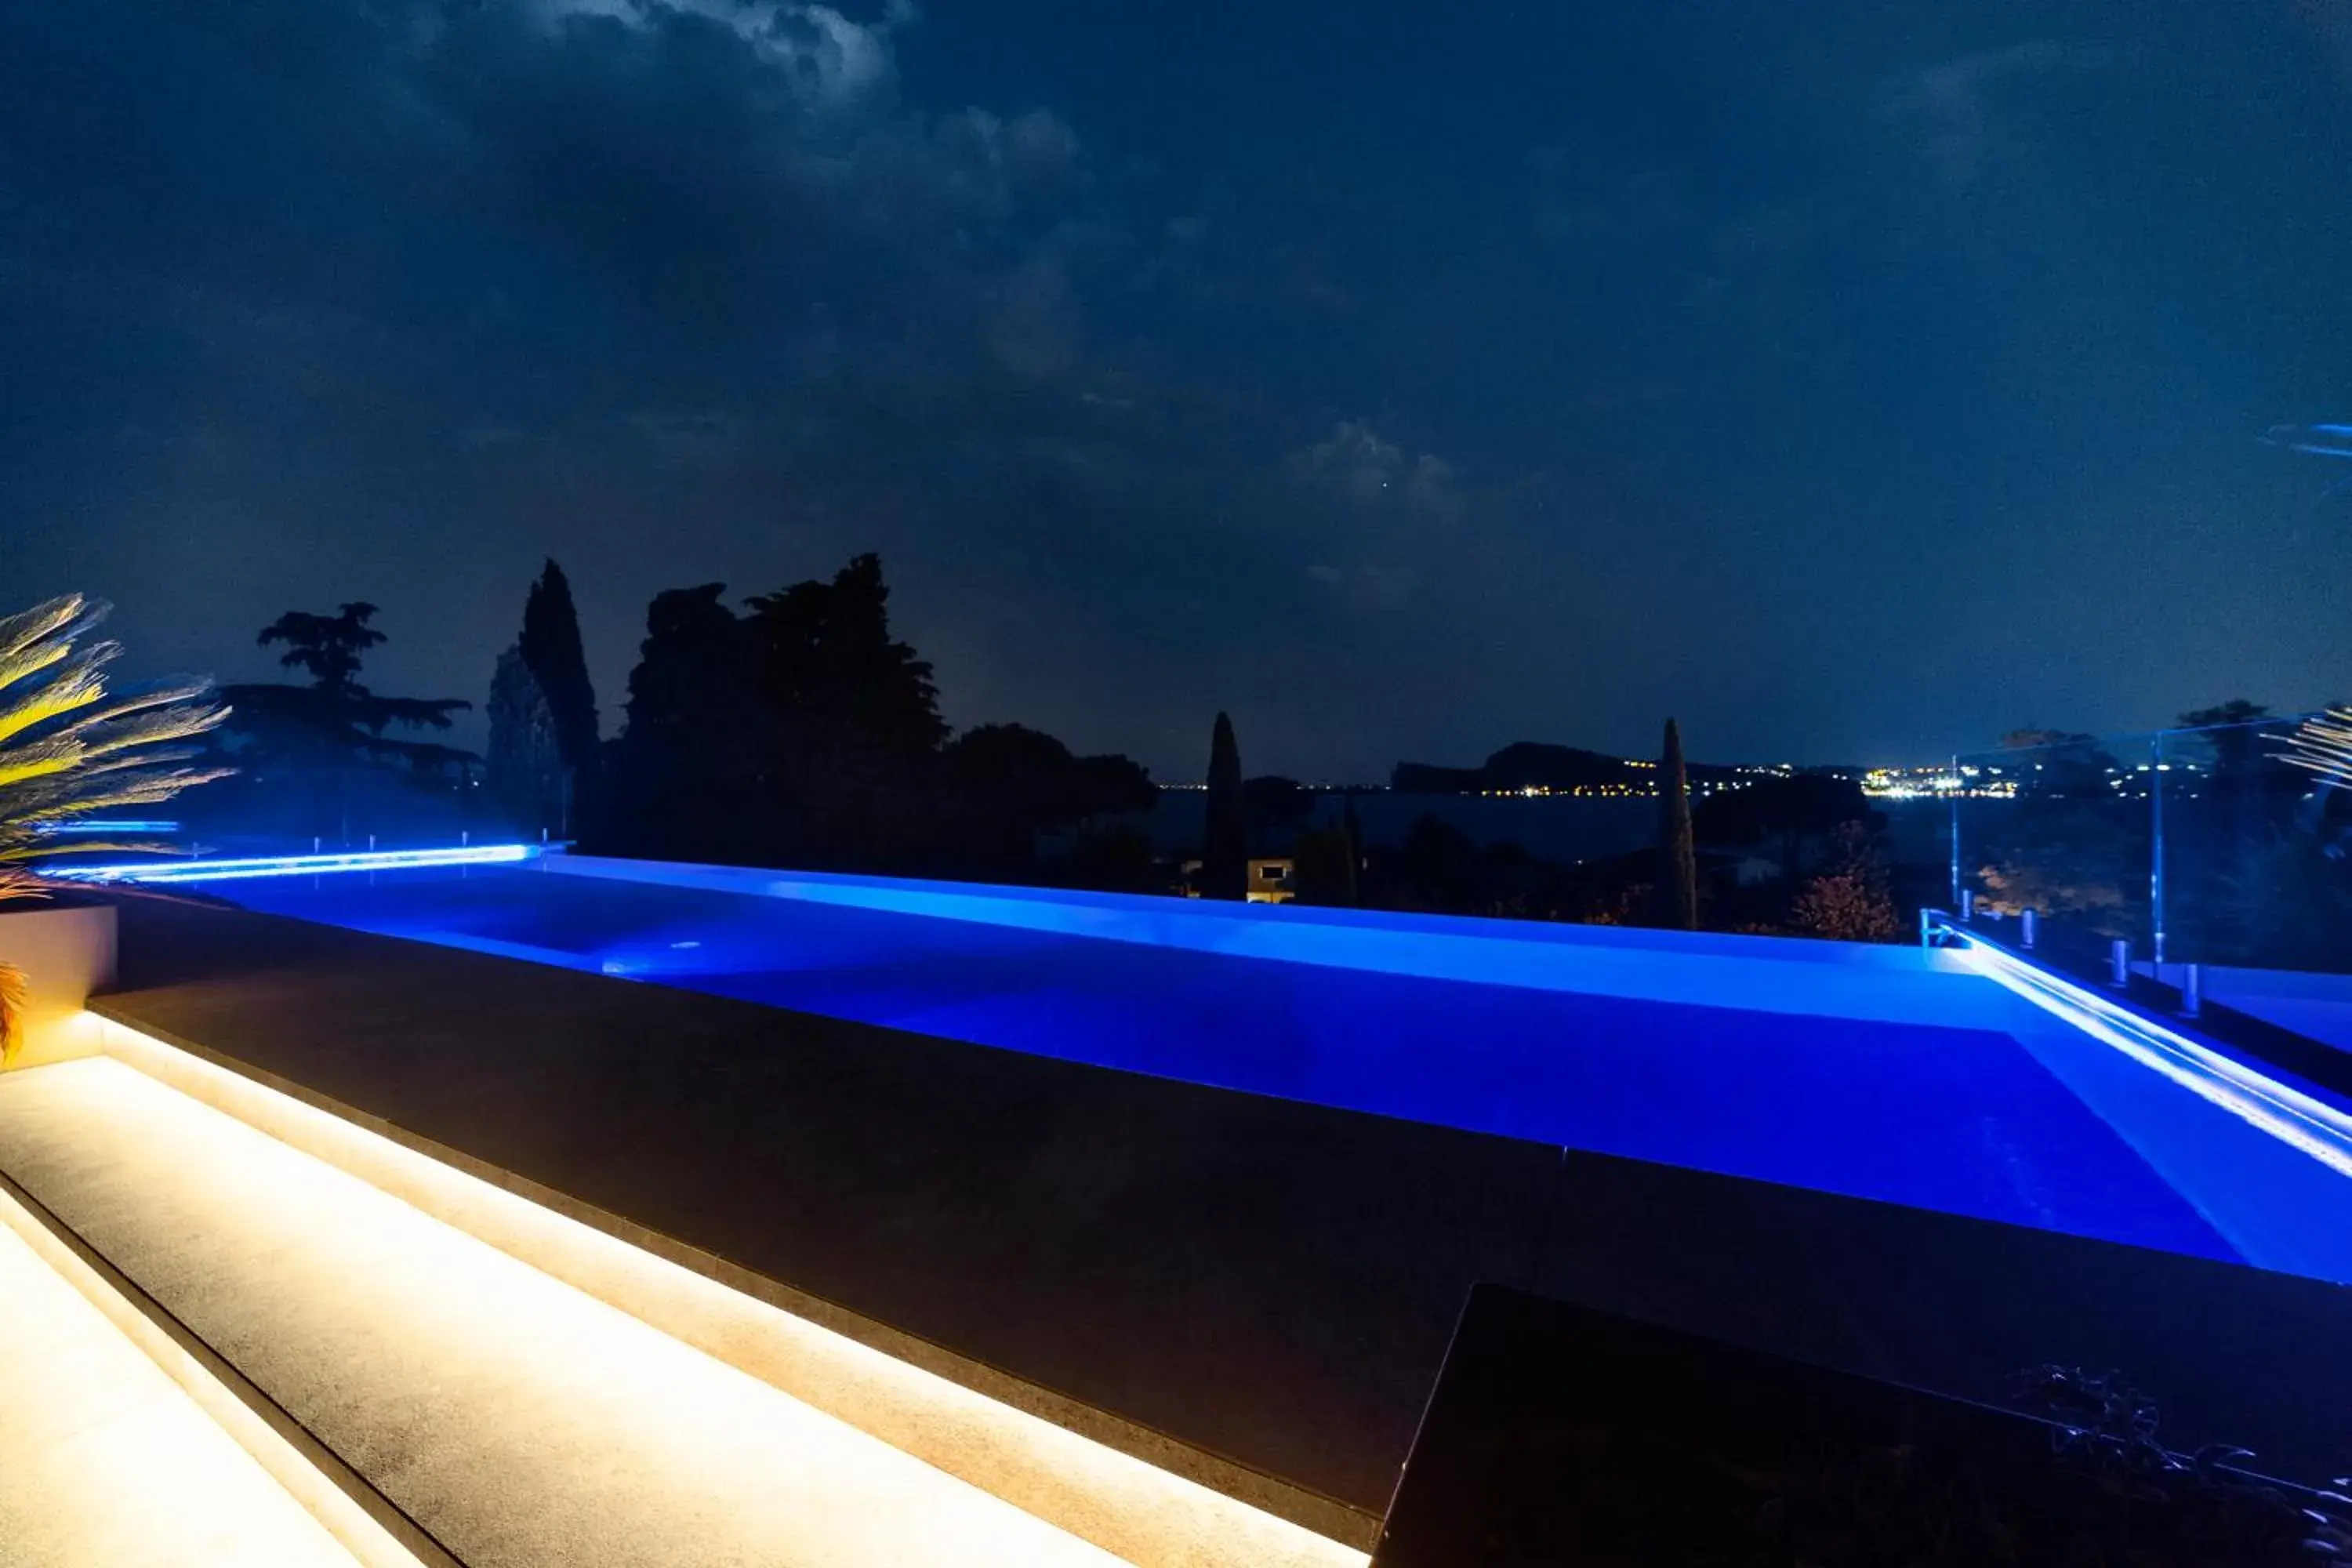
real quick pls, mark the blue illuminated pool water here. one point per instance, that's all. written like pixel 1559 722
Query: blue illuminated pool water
pixel 1881 1072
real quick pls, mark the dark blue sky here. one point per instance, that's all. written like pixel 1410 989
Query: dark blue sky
pixel 1854 384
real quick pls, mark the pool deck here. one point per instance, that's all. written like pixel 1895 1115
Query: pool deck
pixel 1252 1291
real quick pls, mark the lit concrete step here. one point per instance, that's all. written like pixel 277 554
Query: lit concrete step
pixel 521 1420
pixel 105 1462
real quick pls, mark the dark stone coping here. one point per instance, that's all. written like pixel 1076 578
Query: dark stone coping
pixel 1561 1434
pixel 1959 1306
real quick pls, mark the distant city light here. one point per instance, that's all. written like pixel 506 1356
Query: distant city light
pixel 1936 781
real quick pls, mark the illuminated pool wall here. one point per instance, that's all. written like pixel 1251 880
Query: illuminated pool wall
pixel 2269 1165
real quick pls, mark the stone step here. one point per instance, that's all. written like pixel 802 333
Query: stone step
pixel 518 1420
pixel 105 1460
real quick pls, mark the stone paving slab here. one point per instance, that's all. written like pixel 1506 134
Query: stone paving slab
pixel 105 1462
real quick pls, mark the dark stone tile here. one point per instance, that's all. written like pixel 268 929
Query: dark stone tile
pixel 1561 1436
pixel 1958 1306
pixel 1271 1281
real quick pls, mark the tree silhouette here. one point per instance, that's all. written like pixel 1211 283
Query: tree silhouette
pixel 1011 783
pixel 827 659
pixel 2254 872
pixel 1224 850
pixel 2236 736
pixel 310 754
pixel 1274 804
pixel 1851 899
pixel 1327 860
pixel 803 732
pixel 853 722
pixel 550 649
pixel 332 648
pixel 1793 813
pixel 1438 865
pixel 525 769
pixel 1676 901
pixel 335 720
pixel 686 780
pixel 800 734
pixel 2070 845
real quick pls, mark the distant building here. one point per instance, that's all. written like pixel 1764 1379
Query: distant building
pixel 1273 880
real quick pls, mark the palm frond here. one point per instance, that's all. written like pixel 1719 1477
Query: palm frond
pixel 104 788
pixel 35 638
pixel 69 747
pixel 69 686
pixel 25 853
pixel 104 734
pixel 22 764
pixel 186 695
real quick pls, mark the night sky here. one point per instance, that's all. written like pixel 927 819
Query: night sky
pixel 1855 382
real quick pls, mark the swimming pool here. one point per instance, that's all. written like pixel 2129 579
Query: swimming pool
pixel 1884 1072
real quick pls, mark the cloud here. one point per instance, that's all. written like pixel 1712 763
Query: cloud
pixel 715 168
pixel 1375 511
pixel 1038 151
pixel 830 62
pixel 1036 325
pixel 1359 468
pixel 1961 103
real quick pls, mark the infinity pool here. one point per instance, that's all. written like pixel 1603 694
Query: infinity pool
pixel 1891 1073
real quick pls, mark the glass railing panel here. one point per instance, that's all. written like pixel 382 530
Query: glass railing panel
pixel 2060 826
pixel 2255 853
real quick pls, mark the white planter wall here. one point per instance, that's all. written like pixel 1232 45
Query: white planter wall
pixel 67 953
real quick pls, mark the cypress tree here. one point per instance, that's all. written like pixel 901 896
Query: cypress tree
pixel 1224 852
pixel 1325 863
pixel 524 767
pixel 1674 902
pixel 550 649
pixel 1352 833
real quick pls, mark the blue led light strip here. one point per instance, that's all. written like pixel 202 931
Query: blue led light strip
pixel 298 865
pixel 2304 1124
pixel 104 825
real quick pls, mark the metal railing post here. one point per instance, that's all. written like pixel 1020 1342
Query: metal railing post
pixel 2119 963
pixel 2031 922
pixel 1956 895
pixel 2192 990
pixel 2156 846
